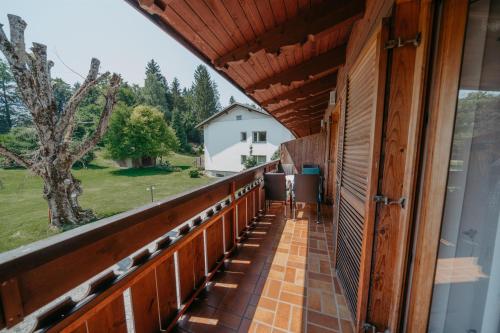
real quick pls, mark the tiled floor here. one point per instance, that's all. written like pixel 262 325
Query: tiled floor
pixel 280 280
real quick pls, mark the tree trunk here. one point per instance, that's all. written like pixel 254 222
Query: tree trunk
pixel 61 190
pixel 55 155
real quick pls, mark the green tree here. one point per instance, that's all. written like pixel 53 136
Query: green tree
pixel 179 128
pixel 128 95
pixel 12 110
pixel 205 94
pixel 139 132
pixel 21 140
pixel 62 93
pixel 155 92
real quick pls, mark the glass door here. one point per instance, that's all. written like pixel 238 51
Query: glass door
pixel 466 291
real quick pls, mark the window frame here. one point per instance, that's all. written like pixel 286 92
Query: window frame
pixel 256 137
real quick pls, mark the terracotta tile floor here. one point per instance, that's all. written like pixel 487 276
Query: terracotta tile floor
pixel 279 280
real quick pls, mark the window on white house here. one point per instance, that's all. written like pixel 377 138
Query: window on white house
pixel 243 136
pixel 239 117
pixel 259 137
pixel 261 159
pixel 243 159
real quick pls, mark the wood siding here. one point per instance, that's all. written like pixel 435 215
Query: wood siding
pixel 307 150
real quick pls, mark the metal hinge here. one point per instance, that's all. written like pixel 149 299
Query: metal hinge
pixel 386 201
pixel 370 328
pixel 399 42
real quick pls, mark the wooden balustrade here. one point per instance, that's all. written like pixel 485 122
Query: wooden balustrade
pixel 209 221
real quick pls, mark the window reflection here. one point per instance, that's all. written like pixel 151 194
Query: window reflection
pixel 466 296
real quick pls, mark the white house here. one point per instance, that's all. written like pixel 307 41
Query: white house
pixel 231 133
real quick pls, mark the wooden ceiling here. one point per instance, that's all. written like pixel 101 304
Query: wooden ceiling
pixel 283 54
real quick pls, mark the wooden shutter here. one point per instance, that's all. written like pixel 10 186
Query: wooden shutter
pixel 357 171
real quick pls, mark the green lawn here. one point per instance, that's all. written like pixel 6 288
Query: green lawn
pixel 107 190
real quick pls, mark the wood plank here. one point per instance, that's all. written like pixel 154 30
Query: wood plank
pixel 145 304
pixel 293 33
pixel 311 102
pixel 109 319
pixel 241 216
pixel 215 246
pixel 198 249
pixel 309 89
pixel 167 296
pixel 442 108
pixel 309 149
pixel 186 273
pixel 330 60
pixel 229 230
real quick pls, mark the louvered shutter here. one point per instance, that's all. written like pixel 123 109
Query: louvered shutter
pixel 358 160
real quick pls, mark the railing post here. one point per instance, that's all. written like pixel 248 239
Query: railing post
pixel 235 216
pixel 11 302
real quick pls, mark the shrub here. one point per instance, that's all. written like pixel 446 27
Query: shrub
pixel 194 173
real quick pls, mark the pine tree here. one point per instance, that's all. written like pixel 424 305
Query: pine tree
pixel 205 94
pixel 178 126
pixel 12 110
pixel 178 101
pixel 155 92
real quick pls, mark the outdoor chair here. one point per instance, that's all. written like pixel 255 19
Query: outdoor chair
pixel 307 189
pixel 310 169
pixel 275 188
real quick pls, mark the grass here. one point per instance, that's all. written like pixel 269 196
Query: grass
pixel 107 190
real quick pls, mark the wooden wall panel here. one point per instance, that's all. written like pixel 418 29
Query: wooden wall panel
pixel 167 296
pixel 250 206
pixel 306 150
pixel 145 304
pixel 109 319
pixel 229 229
pixel 199 260
pixel 186 261
pixel 242 216
pixel 215 246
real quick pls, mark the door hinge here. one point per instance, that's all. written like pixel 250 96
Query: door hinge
pixel 370 328
pixel 399 42
pixel 386 201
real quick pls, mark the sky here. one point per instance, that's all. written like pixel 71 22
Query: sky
pixel 110 30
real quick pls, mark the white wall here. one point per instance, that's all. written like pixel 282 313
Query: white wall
pixel 223 148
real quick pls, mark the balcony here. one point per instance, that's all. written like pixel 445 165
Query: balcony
pixel 207 260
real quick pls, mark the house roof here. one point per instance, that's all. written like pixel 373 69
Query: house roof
pixel 228 109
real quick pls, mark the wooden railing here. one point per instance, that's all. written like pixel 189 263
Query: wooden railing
pixel 165 274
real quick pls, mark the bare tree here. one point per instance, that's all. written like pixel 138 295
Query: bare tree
pixel 56 154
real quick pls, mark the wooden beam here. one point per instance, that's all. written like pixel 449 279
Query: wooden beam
pixel 302 104
pixel 303 117
pixel 301 121
pixel 329 60
pixel 326 16
pixel 311 88
pixel 303 114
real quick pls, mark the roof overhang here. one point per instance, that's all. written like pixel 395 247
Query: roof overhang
pixel 280 54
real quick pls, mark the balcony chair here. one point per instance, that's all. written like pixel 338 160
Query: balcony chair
pixel 307 189
pixel 311 169
pixel 275 188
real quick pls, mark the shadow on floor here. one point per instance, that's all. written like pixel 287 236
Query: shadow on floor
pixel 280 280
